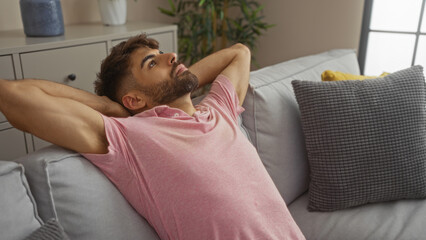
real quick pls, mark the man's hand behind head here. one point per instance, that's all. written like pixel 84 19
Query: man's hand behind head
pixel 114 109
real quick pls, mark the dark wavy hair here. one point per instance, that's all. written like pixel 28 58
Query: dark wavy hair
pixel 115 68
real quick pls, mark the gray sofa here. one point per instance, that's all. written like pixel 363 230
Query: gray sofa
pixel 65 186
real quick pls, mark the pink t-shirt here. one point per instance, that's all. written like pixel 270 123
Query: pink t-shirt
pixel 195 177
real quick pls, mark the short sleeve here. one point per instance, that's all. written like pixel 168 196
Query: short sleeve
pixel 115 160
pixel 222 95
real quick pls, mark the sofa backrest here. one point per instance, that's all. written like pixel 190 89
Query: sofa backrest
pixel 272 117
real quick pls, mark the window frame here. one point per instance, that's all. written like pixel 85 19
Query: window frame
pixel 365 32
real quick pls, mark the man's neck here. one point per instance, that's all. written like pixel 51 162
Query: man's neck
pixel 184 103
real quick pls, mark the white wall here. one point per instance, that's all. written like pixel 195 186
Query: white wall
pixel 309 26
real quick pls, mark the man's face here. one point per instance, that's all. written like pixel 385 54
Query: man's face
pixel 160 77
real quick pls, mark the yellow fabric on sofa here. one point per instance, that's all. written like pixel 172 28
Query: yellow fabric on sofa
pixel 329 75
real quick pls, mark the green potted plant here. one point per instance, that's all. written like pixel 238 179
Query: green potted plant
pixel 205 26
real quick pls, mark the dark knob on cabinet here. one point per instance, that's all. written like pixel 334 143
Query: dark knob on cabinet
pixel 72 77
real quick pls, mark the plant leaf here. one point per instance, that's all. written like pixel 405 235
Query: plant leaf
pixel 172 5
pixel 167 12
pixel 201 25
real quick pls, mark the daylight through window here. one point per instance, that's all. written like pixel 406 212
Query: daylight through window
pixel 393 35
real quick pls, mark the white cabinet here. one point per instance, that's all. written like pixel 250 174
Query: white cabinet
pixel 75 66
pixel 12 142
pixel 166 41
pixel 6 72
pixel 6 67
pixel 73 59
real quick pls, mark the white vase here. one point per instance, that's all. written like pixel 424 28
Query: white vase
pixel 113 12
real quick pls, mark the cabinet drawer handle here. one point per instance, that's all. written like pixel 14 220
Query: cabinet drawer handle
pixel 72 77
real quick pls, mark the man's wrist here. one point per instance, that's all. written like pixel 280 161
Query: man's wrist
pixel 112 109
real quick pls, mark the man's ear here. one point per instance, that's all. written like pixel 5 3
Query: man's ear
pixel 134 100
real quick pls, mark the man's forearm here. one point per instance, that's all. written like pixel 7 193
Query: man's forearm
pixel 54 113
pixel 95 102
pixel 64 91
pixel 209 67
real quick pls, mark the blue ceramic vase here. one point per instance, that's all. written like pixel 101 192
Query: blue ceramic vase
pixel 42 18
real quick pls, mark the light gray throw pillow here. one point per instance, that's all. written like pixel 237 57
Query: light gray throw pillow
pixel 18 210
pixel 69 188
pixel 366 140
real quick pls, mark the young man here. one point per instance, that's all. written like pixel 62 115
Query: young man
pixel 187 169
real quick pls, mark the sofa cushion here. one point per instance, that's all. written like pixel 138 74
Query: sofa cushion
pixel 51 230
pixel 272 116
pixel 17 207
pixel 395 220
pixel 69 188
pixel 366 140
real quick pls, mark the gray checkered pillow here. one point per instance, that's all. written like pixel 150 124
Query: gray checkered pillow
pixel 366 140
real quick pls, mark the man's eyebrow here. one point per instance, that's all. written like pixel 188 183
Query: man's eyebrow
pixel 146 59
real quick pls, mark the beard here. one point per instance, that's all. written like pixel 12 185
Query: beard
pixel 169 90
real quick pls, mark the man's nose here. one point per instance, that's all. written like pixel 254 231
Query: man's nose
pixel 171 58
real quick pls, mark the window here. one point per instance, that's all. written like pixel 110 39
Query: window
pixel 393 36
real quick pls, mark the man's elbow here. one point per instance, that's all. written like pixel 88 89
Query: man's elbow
pixel 6 86
pixel 3 83
pixel 242 49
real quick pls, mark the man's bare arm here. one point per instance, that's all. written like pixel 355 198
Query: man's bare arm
pixel 101 104
pixel 56 113
pixel 233 62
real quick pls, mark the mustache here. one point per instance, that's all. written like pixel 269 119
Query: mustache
pixel 175 64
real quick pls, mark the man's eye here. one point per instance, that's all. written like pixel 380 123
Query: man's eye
pixel 152 64
pixel 161 52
